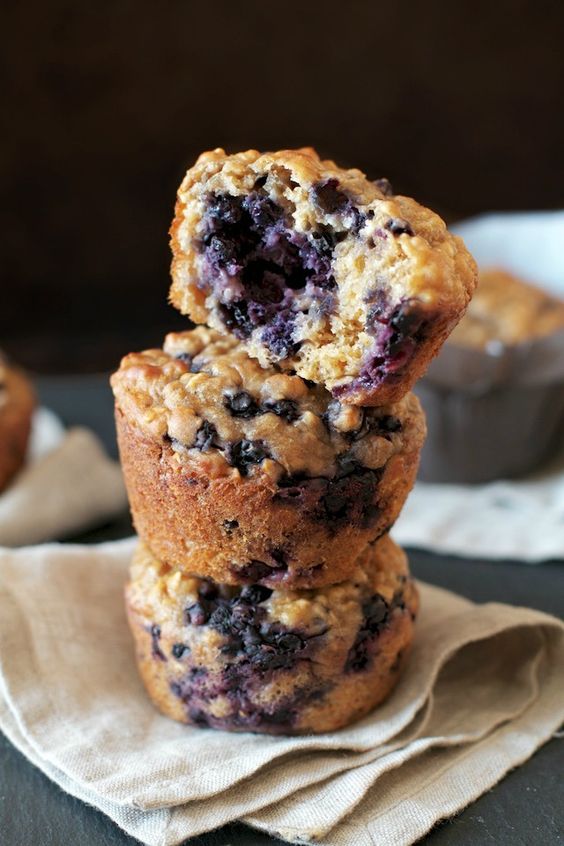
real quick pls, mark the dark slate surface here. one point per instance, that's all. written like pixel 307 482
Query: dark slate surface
pixel 526 808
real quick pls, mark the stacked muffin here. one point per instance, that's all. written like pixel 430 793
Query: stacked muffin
pixel 267 457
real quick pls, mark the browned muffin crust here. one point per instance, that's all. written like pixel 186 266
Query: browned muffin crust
pixel 318 269
pixel 278 662
pixel 17 402
pixel 249 475
pixel 507 310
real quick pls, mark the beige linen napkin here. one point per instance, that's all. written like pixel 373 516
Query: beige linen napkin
pixel 68 484
pixel 482 690
pixel 489 521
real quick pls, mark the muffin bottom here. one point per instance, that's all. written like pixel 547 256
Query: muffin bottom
pixel 276 662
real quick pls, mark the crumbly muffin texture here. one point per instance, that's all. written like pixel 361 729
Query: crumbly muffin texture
pixel 507 310
pixel 247 474
pixel 17 402
pixel 318 270
pixel 284 662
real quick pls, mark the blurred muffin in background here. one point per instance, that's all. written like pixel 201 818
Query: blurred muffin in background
pixel 506 311
pixel 494 398
pixel 17 402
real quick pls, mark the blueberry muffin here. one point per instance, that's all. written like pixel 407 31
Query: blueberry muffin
pixel 507 311
pixel 281 662
pixel 318 270
pixel 17 403
pixel 250 475
pixel 494 397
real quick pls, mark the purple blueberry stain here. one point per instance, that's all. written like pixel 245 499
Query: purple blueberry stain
pixel 376 613
pixel 398 331
pixel 260 572
pixel 235 317
pixel 223 210
pixel 375 616
pixel 243 405
pixel 262 211
pixel 245 715
pixel 252 654
pixel 197 716
pixel 254 649
pixel 258 266
pixel 156 650
pixel 406 318
pixel 350 498
pixel 242 621
pixel 332 200
pixel 358 219
pixel 278 335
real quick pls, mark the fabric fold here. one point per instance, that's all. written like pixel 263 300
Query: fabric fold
pixel 68 485
pixel 481 691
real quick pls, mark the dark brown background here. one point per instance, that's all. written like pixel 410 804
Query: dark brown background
pixel 460 104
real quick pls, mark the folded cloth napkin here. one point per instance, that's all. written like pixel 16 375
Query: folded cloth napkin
pixel 68 484
pixel 482 690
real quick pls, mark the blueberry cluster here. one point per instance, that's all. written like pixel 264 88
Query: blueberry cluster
pixel 242 620
pixel 349 498
pixel 249 240
pixel 376 614
pixel 243 405
pixel 253 648
pixel 269 266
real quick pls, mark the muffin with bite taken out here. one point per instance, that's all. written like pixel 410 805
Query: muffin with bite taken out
pixel 318 270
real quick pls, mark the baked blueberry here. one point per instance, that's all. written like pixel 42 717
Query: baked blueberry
pixel 241 404
pixel 244 453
